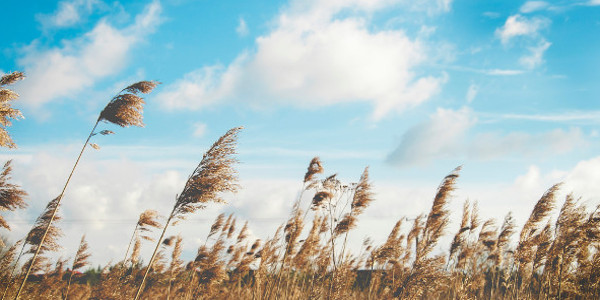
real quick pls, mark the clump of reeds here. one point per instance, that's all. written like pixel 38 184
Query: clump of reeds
pixel 7 113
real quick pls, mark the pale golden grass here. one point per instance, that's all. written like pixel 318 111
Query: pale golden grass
pixel 552 258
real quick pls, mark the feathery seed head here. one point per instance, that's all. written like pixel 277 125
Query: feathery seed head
pixel 11 78
pixel 314 167
pixel 125 109
pixel 214 175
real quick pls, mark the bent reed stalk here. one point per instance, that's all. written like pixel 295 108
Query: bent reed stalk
pixel 213 175
pixel 125 109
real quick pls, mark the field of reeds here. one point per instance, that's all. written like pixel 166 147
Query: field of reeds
pixel 308 257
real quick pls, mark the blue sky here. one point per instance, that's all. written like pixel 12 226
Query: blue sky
pixel 508 89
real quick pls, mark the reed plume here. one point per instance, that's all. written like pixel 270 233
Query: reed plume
pixel 530 234
pixel 438 217
pixel 12 197
pixel 215 174
pixel 124 110
pixel 81 260
pixel 314 167
pixel 7 113
pixel 146 222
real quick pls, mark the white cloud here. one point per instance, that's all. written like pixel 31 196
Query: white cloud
pixel 199 129
pixel 68 13
pixel 441 136
pixel 449 134
pixel 242 28
pixel 536 55
pixel 503 72
pixel 472 93
pixel 594 2
pixel 490 145
pixel 533 6
pixel 518 25
pixel 65 71
pixel 593 116
pixel 311 59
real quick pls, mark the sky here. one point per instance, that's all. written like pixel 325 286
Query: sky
pixel 411 89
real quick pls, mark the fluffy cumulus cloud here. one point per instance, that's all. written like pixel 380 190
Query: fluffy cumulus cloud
pixel 450 133
pixel 76 65
pixel 314 58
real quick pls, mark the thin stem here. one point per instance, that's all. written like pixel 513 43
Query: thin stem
pixel 37 251
pixel 12 272
pixel 69 284
pixel 139 291
pixel 129 246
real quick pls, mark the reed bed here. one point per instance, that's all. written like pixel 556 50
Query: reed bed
pixel 308 256
pixel 544 259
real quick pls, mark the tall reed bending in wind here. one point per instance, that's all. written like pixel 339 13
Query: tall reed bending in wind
pixel 125 109
pixel 6 112
pixel 213 175
pixel 11 195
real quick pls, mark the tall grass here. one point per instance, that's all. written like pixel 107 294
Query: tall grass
pixel 307 257
pixel 125 109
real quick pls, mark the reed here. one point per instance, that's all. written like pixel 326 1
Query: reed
pixel 215 174
pixel 125 109
pixel 8 113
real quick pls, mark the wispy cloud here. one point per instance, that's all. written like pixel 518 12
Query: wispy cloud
pixel 442 136
pixel 68 13
pixel 518 25
pixel 451 134
pixel 536 55
pixel 593 116
pixel 503 72
pixel 471 93
pixel 533 6
pixel 242 28
pixel 64 71
pixel 199 129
